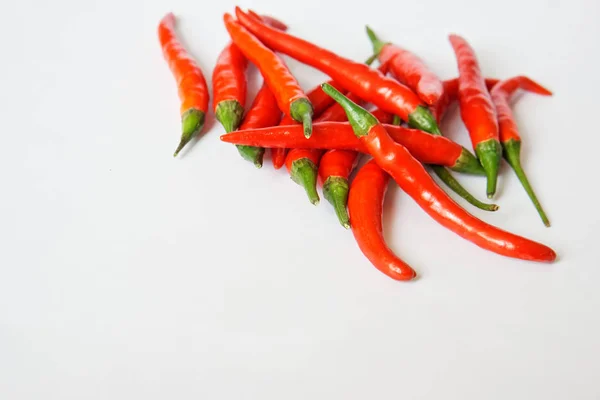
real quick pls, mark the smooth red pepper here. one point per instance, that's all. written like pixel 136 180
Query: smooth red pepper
pixel 334 170
pixel 509 132
pixel 408 69
pixel 290 97
pixel 229 87
pixel 451 94
pixel 263 112
pixel 369 84
pixel 193 91
pixel 477 111
pixel 414 180
pixel 365 204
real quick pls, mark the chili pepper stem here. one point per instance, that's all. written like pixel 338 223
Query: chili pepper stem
pixel 468 164
pixel 371 59
pixel 302 111
pixel 252 154
pixel 229 113
pixel 375 41
pixel 304 173
pixel 422 119
pixel 360 119
pixel 489 153
pixel 335 191
pixel 191 123
pixel 396 120
pixel 446 177
pixel 512 153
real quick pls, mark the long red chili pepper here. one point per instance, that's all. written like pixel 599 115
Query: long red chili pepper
pixel 477 111
pixel 334 170
pixel 320 102
pixel 509 132
pixel 365 204
pixel 426 148
pixel 451 94
pixel 263 112
pixel 229 87
pixel 369 84
pixel 193 91
pixel 408 69
pixel 414 180
pixel 290 97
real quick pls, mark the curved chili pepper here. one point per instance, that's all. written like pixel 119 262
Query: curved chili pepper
pixel 477 111
pixel 193 91
pixel 229 87
pixel 509 132
pixel 408 69
pixel 302 167
pixel 369 84
pixel 414 180
pixel 290 97
pixel 365 205
pixel 451 94
pixel 263 112
pixel 429 149
pixel 334 169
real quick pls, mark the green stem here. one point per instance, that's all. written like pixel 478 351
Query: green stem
pixel 512 153
pixel 229 113
pixel 191 124
pixel 446 177
pixel 360 119
pixel 489 153
pixel 304 173
pixel 422 119
pixel 252 154
pixel 375 41
pixel 302 111
pixel 468 163
pixel 396 120
pixel 335 191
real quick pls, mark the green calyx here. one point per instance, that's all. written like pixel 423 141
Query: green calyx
pixel 229 113
pixel 468 164
pixel 446 177
pixel 489 153
pixel 302 111
pixel 375 41
pixel 396 120
pixel 191 124
pixel 422 119
pixel 252 154
pixel 304 173
pixel 512 153
pixel 335 191
pixel 360 119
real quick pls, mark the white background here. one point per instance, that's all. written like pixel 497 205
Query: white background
pixel 127 274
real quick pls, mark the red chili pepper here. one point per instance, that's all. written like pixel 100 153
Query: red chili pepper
pixel 302 166
pixel 451 94
pixel 193 91
pixel 290 97
pixel 229 87
pixel 429 149
pixel 408 69
pixel 509 132
pixel 382 116
pixel 477 111
pixel 320 102
pixel 414 180
pixel 274 22
pixel 369 84
pixel 263 112
pixel 334 170
pixel 365 205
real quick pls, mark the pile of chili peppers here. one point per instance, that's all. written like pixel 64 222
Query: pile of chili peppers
pixel 319 135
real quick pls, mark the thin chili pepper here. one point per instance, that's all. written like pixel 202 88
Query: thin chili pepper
pixel 302 166
pixel 429 149
pixel 321 102
pixel 229 87
pixel 263 112
pixel 509 132
pixel 451 94
pixel 477 111
pixel 365 205
pixel 193 91
pixel 369 84
pixel 334 169
pixel 290 97
pixel 414 180
pixel 408 69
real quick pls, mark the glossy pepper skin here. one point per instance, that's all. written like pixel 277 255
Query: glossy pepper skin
pixel 477 111
pixel 408 69
pixel 509 132
pixel 369 84
pixel 229 87
pixel 191 84
pixel 414 180
pixel 427 148
pixel 365 204
pixel 290 97
pixel 320 102
pixel 263 112
pixel 451 94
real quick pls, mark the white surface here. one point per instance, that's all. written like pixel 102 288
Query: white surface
pixel 127 274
